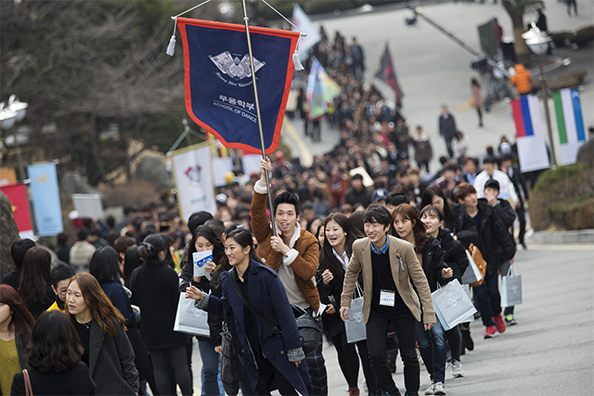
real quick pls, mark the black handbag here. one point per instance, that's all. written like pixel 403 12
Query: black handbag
pixel 230 364
pixel 309 333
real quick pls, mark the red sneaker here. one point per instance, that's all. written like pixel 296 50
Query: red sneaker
pixel 491 332
pixel 500 323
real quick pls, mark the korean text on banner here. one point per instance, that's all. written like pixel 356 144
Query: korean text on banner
pixel 17 194
pixel 46 199
pixel 532 148
pixel 570 124
pixel 218 80
pixel 193 179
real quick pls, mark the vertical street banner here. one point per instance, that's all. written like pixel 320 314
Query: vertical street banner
pixel 532 148
pixel 45 195
pixel 218 80
pixel 387 74
pixel 192 173
pixel 570 124
pixel 7 176
pixel 302 21
pixel 17 194
pixel 321 89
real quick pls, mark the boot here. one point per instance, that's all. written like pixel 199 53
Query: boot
pixel 466 338
pixel 353 391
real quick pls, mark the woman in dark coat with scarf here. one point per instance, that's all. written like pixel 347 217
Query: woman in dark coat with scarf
pixel 269 359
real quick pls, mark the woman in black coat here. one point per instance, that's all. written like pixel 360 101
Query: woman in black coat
pixel 54 361
pixel 455 258
pixel 155 290
pixel 497 246
pixel 339 235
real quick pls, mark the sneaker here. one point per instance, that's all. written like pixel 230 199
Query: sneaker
pixel 467 339
pixel 430 389
pixel 491 332
pixel 439 389
pixel 510 320
pixel 457 371
pixel 500 323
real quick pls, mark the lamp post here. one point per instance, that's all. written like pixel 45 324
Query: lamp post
pixel 9 115
pixel 538 42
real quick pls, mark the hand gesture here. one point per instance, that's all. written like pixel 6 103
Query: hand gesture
pixel 194 293
pixel 428 326
pixel 447 273
pixel 278 245
pixel 327 276
pixel 344 313
pixel 209 267
pixel 331 310
pixel 265 165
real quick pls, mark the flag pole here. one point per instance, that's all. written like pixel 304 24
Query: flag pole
pixel 257 101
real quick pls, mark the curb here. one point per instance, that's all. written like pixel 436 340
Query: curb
pixel 563 237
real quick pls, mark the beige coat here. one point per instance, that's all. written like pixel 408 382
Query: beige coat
pixel 410 270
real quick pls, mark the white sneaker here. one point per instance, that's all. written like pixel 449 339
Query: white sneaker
pixel 439 389
pixel 457 371
pixel 429 390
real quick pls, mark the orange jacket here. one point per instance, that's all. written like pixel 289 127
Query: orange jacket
pixel 522 79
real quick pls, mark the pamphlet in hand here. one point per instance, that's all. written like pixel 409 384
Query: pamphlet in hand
pixel 200 260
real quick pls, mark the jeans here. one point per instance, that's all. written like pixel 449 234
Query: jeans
pixel 163 359
pixel 377 329
pixel 316 366
pixel 434 350
pixel 210 369
pixel 489 299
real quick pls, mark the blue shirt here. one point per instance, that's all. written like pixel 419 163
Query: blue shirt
pixel 384 248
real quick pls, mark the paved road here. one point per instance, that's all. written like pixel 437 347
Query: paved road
pixel 549 352
pixel 433 70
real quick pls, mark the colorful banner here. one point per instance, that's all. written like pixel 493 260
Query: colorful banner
pixel 17 194
pixel 192 173
pixel 387 74
pixel 218 80
pixel 321 89
pixel 530 140
pixel 570 123
pixel 46 199
pixel 7 176
pixel 302 21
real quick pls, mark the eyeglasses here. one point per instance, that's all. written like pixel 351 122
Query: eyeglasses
pixel 62 292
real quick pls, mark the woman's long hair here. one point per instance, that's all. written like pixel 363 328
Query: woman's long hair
pixel 328 260
pixel 54 343
pixel 244 238
pixel 21 317
pixel 105 265
pixel 427 200
pixel 419 231
pixel 131 262
pixel 35 277
pixel 101 308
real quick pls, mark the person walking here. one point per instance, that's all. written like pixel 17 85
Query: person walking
pixel 101 330
pixel 432 343
pixel 15 331
pixel 390 268
pixel 423 149
pixel 35 285
pixel 154 288
pixel 521 189
pixel 447 128
pixel 497 246
pixel 477 99
pixel 54 360
pixel 294 254
pixel 339 235
pixel 17 253
pixel 249 287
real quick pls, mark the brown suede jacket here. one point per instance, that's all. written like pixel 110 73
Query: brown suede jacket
pixel 305 265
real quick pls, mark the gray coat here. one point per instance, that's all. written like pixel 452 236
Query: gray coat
pixel 111 363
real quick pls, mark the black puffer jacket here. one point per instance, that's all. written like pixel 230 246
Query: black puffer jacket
pixel 454 253
pixel 433 263
pixel 462 225
pixel 495 243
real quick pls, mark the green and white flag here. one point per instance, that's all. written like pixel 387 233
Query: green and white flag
pixel 570 123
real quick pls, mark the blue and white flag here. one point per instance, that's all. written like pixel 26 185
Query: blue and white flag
pixel 46 199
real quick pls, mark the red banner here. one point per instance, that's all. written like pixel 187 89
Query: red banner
pixel 17 194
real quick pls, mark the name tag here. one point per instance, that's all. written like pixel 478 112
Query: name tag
pixel 387 298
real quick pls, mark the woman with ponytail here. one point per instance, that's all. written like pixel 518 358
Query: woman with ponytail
pixel 154 288
pixel 268 358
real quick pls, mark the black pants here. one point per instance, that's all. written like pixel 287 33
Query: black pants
pixel 521 212
pixel 377 328
pixel 449 147
pixel 267 373
pixel 454 337
pixel 349 362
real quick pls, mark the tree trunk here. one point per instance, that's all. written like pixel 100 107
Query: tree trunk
pixel 516 13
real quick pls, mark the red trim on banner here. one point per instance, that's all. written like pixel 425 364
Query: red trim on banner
pixel 293 36
pixel 518 118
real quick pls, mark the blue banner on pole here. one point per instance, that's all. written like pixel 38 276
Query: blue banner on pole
pixel 46 199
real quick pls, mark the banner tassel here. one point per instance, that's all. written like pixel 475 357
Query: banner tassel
pixel 297 61
pixel 171 47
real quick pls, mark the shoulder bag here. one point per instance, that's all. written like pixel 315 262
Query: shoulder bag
pixel 27 380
